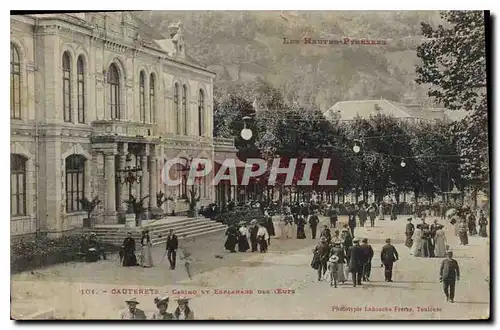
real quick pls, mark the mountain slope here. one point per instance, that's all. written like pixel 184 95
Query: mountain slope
pixel 241 46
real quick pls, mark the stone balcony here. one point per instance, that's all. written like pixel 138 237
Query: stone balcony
pixel 224 145
pixel 122 128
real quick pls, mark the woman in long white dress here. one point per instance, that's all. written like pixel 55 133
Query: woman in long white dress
pixel 381 211
pixel 282 225
pixel 146 244
pixel 440 243
pixel 416 248
pixel 450 232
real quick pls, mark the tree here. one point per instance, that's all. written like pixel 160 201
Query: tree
pixel 136 206
pixel 192 199
pixel 89 205
pixel 454 64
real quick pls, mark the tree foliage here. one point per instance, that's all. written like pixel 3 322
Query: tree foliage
pixel 454 64
pixel 290 130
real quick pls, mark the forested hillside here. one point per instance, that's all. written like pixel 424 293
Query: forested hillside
pixel 241 46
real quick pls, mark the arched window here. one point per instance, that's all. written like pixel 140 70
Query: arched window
pixel 182 187
pixel 75 182
pixel 152 100
pixel 15 83
pixel 201 113
pixel 80 68
pixel 17 185
pixel 142 97
pixel 114 91
pixel 184 108
pixel 66 66
pixel 177 109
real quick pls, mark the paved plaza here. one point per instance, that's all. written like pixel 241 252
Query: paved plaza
pixel 98 290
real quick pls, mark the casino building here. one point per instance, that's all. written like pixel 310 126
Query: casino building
pixel 93 93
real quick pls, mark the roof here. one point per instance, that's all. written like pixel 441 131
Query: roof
pixel 455 115
pixel 349 110
pixel 147 31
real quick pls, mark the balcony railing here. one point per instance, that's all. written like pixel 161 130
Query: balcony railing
pixel 224 142
pixel 122 128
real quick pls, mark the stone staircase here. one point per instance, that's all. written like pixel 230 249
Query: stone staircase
pixel 158 230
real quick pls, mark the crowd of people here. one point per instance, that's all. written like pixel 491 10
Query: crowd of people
pixel 434 240
pixel 338 259
pixel 339 256
pixel 255 237
pixel 128 257
pixel 181 312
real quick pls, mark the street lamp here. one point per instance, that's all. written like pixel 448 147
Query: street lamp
pixel 403 164
pixel 130 174
pixel 246 133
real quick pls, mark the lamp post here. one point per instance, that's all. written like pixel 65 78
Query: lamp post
pixel 356 147
pixel 246 133
pixel 130 174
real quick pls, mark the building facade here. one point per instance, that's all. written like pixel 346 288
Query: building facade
pixel 92 94
pixel 411 113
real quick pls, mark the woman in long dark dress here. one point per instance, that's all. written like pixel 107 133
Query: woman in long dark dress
pixel 482 225
pixel 301 223
pixel 462 232
pixel 128 248
pixel 471 220
pixel 270 227
pixel 232 238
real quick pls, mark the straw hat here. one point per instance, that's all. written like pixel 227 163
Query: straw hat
pixel 161 300
pixel 253 222
pixel 132 301
pixel 334 258
pixel 183 299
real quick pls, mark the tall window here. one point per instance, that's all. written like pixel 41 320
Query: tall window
pixel 142 97
pixel 75 182
pixel 206 182
pixel 184 108
pixel 177 109
pixel 66 66
pixel 80 68
pixel 17 185
pixel 15 83
pixel 182 187
pixel 114 91
pixel 201 113
pixel 152 101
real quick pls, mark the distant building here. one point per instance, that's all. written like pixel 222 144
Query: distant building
pixel 413 113
pixel 92 93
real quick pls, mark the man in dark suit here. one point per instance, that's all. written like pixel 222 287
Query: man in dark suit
pixel 368 256
pixel 410 229
pixel 449 274
pixel 313 222
pixel 356 262
pixel 352 220
pixel 388 256
pixel 327 234
pixel 253 234
pixel 172 246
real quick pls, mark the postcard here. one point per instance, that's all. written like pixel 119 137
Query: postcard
pixel 250 165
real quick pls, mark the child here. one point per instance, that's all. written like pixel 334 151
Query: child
pixel 333 269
